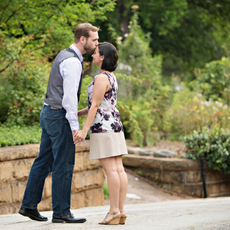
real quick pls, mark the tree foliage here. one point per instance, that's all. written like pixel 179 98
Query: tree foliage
pixel 213 81
pixel 43 26
pixel 188 33
pixel 31 35
pixel 146 98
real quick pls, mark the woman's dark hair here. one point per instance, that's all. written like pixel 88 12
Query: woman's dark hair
pixel 109 52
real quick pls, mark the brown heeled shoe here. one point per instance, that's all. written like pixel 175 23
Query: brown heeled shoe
pixel 122 219
pixel 114 221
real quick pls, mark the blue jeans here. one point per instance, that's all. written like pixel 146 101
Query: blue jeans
pixel 56 155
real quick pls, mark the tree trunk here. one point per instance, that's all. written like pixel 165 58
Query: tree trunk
pixel 123 12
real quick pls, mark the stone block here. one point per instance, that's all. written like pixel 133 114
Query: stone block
pixel 83 147
pixel 79 162
pixel 155 175
pixel 10 208
pixel 193 177
pixel 19 152
pixel 91 197
pixel 218 189
pixel 172 177
pixel 18 188
pixel 78 200
pixel 22 168
pixel 166 186
pixel 180 164
pixel 6 171
pixel 45 204
pixel 214 175
pixel 141 161
pixel 91 164
pixel 194 190
pixel 82 162
pixel 15 170
pixel 5 193
pixel 47 191
pixel 21 190
pixel 150 173
pixel 15 165
pixel 94 197
pixel 87 179
pixel 225 188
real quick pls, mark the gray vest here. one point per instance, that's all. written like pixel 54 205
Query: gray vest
pixel 54 93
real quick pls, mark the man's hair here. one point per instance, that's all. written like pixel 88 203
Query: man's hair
pixel 83 29
pixel 109 52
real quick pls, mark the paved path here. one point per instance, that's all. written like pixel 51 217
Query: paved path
pixel 194 214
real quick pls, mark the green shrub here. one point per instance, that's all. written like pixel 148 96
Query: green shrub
pixel 144 99
pixel 28 78
pixel 106 191
pixel 135 58
pixel 11 134
pixel 190 111
pixel 5 101
pixel 129 120
pixel 213 81
pixel 213 144
pixel 144 116
pixel 83 98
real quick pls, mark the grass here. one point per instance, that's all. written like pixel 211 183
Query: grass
pixel 106 191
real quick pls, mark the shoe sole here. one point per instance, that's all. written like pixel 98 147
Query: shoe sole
pixel 22 212
pixel 66 221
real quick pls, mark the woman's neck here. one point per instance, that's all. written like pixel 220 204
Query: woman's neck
pixel 102 70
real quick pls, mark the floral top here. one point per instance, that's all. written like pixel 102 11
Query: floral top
pixel 107 118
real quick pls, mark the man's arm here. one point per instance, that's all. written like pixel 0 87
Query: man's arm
pixel 71 69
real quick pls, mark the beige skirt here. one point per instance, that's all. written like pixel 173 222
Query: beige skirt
pixel 103 145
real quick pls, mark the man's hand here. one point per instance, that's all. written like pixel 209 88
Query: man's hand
pixel 74 133
pixel 79 136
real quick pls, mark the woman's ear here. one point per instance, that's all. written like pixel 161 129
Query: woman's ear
pixel 102 58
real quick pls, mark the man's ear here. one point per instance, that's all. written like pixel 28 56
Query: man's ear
pixel 82 39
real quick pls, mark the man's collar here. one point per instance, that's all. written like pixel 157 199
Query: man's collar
pixel 76 50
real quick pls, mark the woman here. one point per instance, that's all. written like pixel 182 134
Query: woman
pixel 107 141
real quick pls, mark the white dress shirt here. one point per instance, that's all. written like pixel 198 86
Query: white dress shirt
pixel 71 69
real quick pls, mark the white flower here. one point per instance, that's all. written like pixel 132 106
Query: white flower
pixel 219 103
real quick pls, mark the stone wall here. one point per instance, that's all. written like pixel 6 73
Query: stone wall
pixel 15 164
pixel 182 176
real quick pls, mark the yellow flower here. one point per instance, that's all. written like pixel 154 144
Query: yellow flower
pixel 135 7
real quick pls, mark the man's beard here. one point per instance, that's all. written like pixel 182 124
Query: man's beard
pixel 88 49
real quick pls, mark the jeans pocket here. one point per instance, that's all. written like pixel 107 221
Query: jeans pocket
pixel 54 126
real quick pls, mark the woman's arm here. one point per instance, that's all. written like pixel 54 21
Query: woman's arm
pixel 101 86
pixel 83 112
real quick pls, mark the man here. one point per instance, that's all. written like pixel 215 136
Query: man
pixel 59 123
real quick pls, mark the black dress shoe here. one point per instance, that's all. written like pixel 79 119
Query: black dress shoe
pixel 33 214
pixel 68 219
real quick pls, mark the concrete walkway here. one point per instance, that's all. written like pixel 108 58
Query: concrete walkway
pixel 194 214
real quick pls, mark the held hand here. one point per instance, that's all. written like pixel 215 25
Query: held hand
pixel 80 137
pixel 74 133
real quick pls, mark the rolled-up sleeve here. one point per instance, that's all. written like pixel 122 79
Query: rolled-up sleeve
pixel 71 69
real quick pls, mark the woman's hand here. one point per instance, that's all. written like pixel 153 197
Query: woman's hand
pixel 80 137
